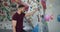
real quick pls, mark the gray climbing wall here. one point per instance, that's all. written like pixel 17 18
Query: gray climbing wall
pixel 53 7
pixel 54 25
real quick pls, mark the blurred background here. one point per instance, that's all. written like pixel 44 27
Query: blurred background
pixel 51 12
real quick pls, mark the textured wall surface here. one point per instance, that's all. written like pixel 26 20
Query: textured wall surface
pixel 53 7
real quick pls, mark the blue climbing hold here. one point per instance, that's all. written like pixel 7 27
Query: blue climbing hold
pixel 58 18
pixel 35 28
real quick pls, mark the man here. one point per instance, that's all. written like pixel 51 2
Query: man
pixel 17 19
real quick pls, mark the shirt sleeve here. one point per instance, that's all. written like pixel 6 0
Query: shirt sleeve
pixel 14 17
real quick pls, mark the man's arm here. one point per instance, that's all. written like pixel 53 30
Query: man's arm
pixel 30 13
pixel 29 21
pixel 14 25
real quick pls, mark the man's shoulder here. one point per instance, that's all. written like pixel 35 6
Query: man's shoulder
pixel 15 14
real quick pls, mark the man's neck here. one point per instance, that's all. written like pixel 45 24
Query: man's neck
pixel 18 12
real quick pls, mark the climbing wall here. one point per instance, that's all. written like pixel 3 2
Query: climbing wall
pixel 42 19
pixel 6 13
pixel 8 8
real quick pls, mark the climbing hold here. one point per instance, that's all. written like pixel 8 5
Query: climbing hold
pixel 47 17
pixel 58 18
pixel 35 28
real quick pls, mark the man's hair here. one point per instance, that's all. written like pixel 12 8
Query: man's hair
pixel 20 6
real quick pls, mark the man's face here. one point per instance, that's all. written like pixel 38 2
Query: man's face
pixel 22 9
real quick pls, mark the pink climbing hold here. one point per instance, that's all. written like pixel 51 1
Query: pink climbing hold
pixel 47 17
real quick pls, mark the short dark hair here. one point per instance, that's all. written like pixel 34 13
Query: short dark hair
pixel 20 6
